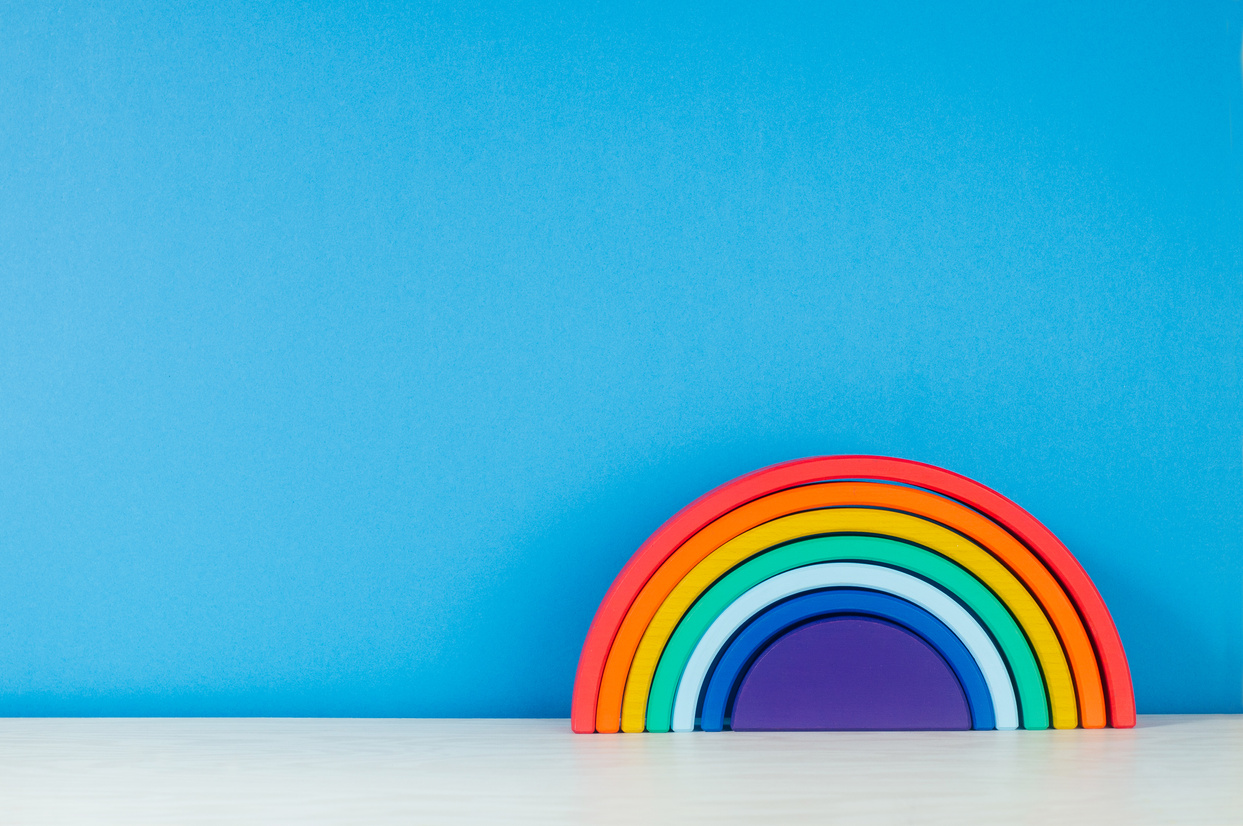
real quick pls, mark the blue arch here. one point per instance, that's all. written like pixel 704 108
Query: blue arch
pixel 782 617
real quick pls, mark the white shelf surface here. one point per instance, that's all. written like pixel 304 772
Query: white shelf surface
pixel 1170 769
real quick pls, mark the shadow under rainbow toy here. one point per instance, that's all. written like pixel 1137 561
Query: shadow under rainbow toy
pixel 852 592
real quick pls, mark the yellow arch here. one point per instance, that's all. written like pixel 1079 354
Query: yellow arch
pixel 1031 618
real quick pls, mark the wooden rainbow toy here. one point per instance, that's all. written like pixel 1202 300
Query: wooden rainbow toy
pixel 852 592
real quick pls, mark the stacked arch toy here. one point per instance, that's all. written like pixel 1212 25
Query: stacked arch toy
pixel 852 592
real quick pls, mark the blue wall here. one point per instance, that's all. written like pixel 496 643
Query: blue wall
pixel 347 354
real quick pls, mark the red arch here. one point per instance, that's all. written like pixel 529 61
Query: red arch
pixel 685 523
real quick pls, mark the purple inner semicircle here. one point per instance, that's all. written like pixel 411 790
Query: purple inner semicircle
pixel 850 673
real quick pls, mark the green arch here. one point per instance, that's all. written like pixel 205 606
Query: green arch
pixel 947 575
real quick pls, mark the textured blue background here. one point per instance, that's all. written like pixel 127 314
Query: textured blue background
pixel 346 354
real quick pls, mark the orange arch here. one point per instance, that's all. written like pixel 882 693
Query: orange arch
pixel 1016 556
